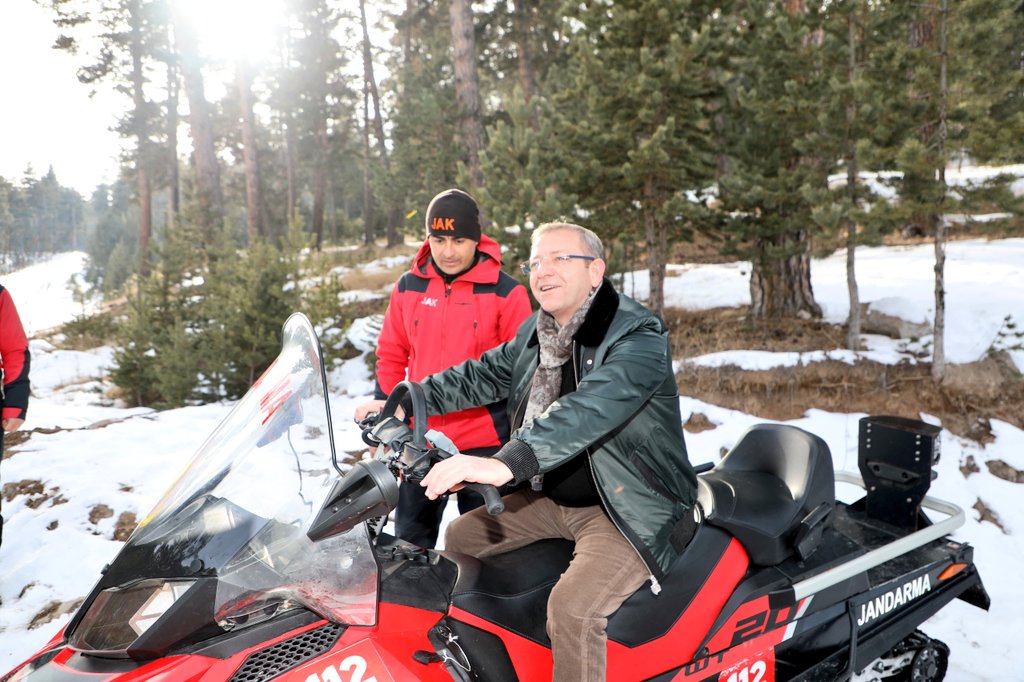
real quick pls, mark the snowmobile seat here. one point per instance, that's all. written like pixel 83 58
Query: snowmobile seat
pixel 512 589
pixel 774 491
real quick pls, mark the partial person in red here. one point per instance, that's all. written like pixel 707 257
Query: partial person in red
pixel 453 304
pixel 14 363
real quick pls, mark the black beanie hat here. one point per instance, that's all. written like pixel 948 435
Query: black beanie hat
pixel 453 213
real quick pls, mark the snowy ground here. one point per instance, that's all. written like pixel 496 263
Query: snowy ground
pixel 52 552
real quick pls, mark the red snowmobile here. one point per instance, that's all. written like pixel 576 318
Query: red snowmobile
pixel 264 561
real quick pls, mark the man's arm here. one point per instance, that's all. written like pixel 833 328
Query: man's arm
pixel 473 383
pixel 15 359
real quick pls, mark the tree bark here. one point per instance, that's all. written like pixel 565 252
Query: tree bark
pixel 250 155
pixel 524 64
pixel 320 183
pixel 289 166
pixel 921 36
pixel 853 322
pixel 173 176
pixel 780 286
pixel 320 44
pixel 204 151
pixel 142 137
pixel 395 211
pixel 939 328
pixel 657 248
pixel 368 213
pixel 467 87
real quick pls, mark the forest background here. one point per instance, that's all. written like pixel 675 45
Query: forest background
pixel 759 130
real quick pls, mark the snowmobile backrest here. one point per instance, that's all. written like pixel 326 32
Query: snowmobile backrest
pixel 774 491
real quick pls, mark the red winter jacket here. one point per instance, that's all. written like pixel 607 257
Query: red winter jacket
pixel 430 326
pixel 14 360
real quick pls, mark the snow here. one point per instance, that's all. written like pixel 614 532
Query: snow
pixel 125 458
pixel 51 304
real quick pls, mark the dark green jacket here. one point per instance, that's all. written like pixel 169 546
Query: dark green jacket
pixel 624 413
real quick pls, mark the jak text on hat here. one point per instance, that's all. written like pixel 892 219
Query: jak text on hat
pixel 453 213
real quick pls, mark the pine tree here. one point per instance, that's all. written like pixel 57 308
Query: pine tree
pixel 425 157
pixel 247 295
pixel 157 353
pixel 776 89
pixel 467 87
pixel 854 133
pixel 130 33
pixel 633 124
pixel 526 176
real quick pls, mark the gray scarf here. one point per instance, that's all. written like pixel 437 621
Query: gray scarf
pixel 555 348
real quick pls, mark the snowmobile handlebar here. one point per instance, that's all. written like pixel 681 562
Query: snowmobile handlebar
pixel 418 451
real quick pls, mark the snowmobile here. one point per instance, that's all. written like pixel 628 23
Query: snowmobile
pixel 266 560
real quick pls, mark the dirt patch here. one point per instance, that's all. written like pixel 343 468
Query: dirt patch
pixel 1001 469
pixel 986 514
pixel 16 438
pixel 25 487
pixel 100 512
pixel 966 402
pixel 125 526
pixel 698 422
pixel 52 611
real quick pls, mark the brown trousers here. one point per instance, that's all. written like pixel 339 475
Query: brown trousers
pixel 604 572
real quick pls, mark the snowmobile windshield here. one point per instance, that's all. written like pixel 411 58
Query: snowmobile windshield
pixel 226 546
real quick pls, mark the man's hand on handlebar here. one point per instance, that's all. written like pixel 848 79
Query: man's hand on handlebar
pixel 449 474
pixel 375 407
pixel 369 407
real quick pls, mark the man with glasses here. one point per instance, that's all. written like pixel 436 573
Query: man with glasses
pixel 592 396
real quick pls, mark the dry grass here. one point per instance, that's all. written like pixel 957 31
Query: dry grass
pixel 966 405
pixel 372 281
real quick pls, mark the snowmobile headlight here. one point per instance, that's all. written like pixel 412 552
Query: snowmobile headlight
pixel 120 615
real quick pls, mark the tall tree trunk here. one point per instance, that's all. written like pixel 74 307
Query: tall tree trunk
pixel 250 157
pixel 524 64
pixel 939 328
pixel 204 151
pixel 141 126
pixel 467 87
pixel 288 132
pixel 853 325
pixel 173 176
pixel 657 249
pixel 368 213
pixel 321 48
pixel 320 182
pixel 921 36
pixel 406 36
pixel 395 211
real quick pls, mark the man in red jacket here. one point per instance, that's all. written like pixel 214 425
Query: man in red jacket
pixel 14 362
pixel 452 305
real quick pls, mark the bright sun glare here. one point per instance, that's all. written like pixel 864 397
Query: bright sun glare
pixel 231 29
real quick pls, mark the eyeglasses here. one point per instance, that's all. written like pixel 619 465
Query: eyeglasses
pixel 535 264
